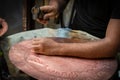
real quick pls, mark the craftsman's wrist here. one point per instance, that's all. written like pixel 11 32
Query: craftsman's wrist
pixel 61 49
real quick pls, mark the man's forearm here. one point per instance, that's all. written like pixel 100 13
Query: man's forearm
pixel 97 49
pixel 104 48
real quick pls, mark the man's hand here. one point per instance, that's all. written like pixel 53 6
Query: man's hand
pixel 49 11
pixel 45 46
pixel 52 10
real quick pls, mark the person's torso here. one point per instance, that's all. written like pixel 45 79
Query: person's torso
pixel 92 16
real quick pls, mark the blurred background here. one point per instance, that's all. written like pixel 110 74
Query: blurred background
pixel 11 11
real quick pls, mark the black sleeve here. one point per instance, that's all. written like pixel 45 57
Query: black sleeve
pixel 61 4
pixel 116 9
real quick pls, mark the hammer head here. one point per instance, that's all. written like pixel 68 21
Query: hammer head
pixel 36 12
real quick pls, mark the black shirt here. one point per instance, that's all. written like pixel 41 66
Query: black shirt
pixel 93 16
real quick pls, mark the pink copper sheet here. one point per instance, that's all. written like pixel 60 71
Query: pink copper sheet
pixel 44 67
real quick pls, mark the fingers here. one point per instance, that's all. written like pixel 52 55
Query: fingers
pixel 47 16
pixel 42 21
pixel 46 8
pixel 37 47
pixel 36 42
pixel 50 11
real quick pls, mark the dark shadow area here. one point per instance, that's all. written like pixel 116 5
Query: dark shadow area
pixel 11 11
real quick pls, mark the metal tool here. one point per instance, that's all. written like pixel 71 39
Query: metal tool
pixel 36 12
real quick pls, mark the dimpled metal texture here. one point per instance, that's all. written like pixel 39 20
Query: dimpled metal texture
pixel 44 67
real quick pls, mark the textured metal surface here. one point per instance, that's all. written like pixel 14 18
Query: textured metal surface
pixel 30 65
pixel 45 32
pixel 64 68
pixel 48 32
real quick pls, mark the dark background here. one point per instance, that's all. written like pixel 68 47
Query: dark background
pixel 11 11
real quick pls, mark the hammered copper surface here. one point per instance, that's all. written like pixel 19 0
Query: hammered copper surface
pixel 44 67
